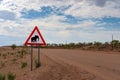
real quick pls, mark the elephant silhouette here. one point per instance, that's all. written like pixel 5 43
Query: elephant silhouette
pixel 35 38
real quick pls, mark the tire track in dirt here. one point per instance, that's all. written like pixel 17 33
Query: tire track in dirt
pixel 63 71
pixel 52 70
pixel 103 66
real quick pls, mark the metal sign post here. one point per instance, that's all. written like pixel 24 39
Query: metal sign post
pixel 38 65
pixel 35 38
pixel 31 57
pixel 39 56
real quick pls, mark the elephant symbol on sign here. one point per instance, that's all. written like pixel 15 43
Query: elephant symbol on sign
pixel 35 38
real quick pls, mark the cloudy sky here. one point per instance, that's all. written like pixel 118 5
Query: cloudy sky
pixel 59 21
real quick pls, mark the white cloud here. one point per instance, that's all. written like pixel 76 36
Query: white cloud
pixel 22 27
pixel 53 27
pixel 17 6
pixel 79 8
pixel 48 27
pixel 7 15
pixel 85 9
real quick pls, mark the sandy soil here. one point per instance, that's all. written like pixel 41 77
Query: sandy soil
pixel 50 69
pixel 62 64
pixel 103 65
pixel 53 70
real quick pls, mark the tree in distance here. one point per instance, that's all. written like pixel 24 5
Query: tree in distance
pixel 13 46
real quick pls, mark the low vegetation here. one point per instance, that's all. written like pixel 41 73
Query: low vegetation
pixel 12 56
pixel 21 53
pixel 2 77
pixel 23 64
pixel 11 76
pixel 113 45
pixel 4 56
pixel 0 54
pixel 37 64
pixel 2 64
pixel 13 46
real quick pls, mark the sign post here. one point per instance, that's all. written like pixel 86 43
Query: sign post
pixel 39 56
pixel 31 57
pixel 35 38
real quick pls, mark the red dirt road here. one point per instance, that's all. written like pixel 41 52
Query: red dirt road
pixel 103 65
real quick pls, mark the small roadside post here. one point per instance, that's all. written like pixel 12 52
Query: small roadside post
pixel 39 56
pixel 31 57
pixel 35 39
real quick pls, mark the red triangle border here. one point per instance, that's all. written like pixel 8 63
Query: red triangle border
pixel 38 44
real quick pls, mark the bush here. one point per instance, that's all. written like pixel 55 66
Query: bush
pixel 22 53
pixel 37 64
pixel 13 46
pixel 2 64
pixel 8 53
pixel 23 64
pixel 11 76
pixel 2 77
pixel 14 59
pixel 4 55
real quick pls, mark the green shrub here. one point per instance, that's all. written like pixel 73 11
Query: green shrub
pixel 22 53
pixel 0 54
pixel 23 64
pixel 2 64
pixel 11 76
pixel 4 56
pixel 13 46
pixel 2 77
pixel 14 59
pixel 37 64
pixel 8 53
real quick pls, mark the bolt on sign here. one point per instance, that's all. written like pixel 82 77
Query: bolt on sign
pixel 35 38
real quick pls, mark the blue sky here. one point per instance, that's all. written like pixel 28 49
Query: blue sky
pixel 59 20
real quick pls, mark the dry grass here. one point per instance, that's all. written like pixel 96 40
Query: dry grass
pixel 12 60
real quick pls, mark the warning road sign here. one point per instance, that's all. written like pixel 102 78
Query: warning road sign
pixel 35 38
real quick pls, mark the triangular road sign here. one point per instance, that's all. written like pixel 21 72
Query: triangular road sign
pixel 35 38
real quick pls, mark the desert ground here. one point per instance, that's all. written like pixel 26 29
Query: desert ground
pixel 60 64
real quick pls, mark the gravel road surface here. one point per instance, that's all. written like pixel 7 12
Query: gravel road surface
pixel 103 65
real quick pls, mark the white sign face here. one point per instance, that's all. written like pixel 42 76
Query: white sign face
pixel 35 38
